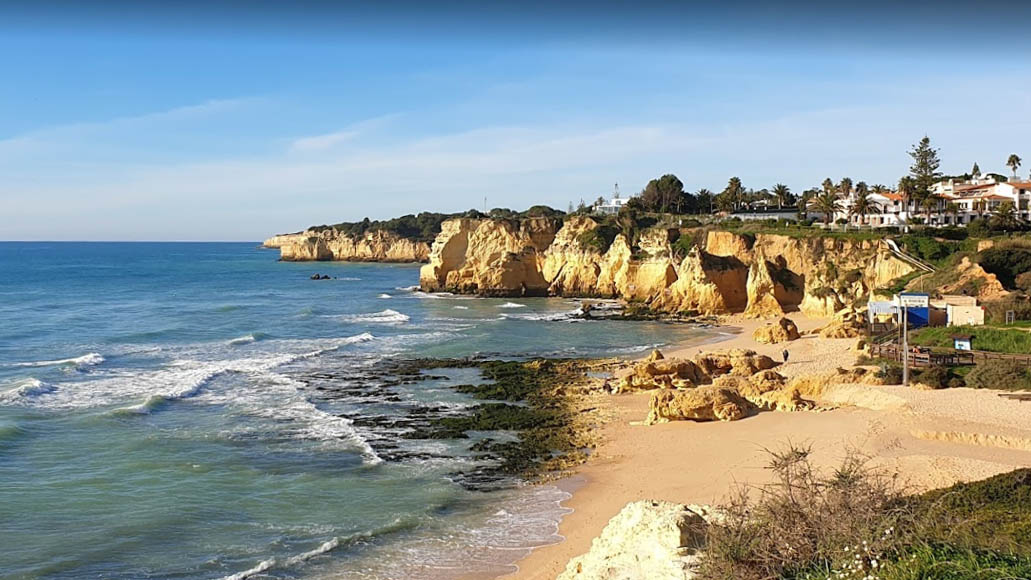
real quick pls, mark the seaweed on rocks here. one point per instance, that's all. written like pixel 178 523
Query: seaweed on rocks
pixel 522 421
pixel 531 399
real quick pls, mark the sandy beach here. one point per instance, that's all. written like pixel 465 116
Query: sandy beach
pixel 932 438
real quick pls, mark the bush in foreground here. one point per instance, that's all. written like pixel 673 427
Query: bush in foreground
pixel 1005 375
pixel 854 522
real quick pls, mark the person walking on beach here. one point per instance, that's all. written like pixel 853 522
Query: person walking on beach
pixel 784 354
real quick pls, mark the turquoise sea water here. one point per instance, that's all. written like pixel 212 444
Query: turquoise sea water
pixel 203 411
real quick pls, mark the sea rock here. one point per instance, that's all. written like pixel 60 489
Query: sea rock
pixel 782 330
pixel 655 355
pixel 653 540
pixel 704 403
pixel 735 361
pixel 663 374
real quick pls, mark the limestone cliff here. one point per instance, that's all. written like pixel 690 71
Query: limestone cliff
pixel 763 275
pixel 331 244
pixel 490 257
pixel 657 540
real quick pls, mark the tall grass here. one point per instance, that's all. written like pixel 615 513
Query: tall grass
pixel 985 338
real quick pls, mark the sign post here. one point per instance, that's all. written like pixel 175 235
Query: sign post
pixel 905 345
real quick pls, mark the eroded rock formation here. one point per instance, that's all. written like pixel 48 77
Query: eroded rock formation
pixel 330 244
pixel 763 276
pixel 782 330
pixel 657 540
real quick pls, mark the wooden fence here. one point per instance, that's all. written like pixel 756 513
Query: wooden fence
pixel 920 357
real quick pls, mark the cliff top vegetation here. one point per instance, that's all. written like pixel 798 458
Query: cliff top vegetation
pixel 425 226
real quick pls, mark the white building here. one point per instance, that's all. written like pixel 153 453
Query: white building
pixel 612 205
pixel 958 203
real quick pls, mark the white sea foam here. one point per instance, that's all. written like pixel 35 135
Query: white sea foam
pixel 383 317
pixel 325 547
pixel 407 288
pixel 512 305
pixel 542 316
pixel 384 296
pixel 461 308
pixel 181 378
pixel 263 566
pixel 89 359
pixel 245 339
pixel 26 389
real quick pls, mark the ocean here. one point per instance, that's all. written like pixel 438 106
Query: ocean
pixel 202 410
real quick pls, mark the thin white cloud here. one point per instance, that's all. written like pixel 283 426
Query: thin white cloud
pixel 73 134
pixel 322 142
pixel 326 141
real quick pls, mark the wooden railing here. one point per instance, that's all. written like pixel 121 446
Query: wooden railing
pixel 924 357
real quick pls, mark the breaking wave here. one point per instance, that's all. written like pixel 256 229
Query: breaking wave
pixel 89 359
pixel 247 338
pixel 398 525
pixel 27 389
pixel 512 305
pixel 384 296
pixel 383 317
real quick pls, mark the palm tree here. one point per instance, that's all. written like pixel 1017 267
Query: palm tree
pixel 782 193
pixel 734 192
pixel 845 186
pixel 704 200
pixel 980 206
pixel 879 188
pixel 929 204
pixel 1013 163
pixel 862 204
pixel 827 185
pixel 828 204
pixel 907 187
pixel 953 210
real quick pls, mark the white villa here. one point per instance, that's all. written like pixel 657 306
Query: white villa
pixel 612 205
pixel 959 202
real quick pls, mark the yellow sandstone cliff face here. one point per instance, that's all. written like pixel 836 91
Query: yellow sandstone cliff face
pixel 330 244
pixel 490 257
pixel 763 276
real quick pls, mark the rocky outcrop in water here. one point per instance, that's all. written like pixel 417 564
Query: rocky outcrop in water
pixel 657 540
pixel 763 275
pixel 327 244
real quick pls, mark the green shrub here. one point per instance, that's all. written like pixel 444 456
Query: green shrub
pixel 890 372
pixel 1006 262
pixel 598 239
pixel 935 376
pixel 979 228
pixel 1003 374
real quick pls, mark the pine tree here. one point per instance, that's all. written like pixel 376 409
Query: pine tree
pixel 976 171
pixel 925 168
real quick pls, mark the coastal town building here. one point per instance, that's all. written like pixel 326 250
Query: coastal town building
pixel 945 310
pixel 956 202
pixel 612 205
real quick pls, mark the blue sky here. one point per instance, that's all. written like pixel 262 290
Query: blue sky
pixel 233 124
